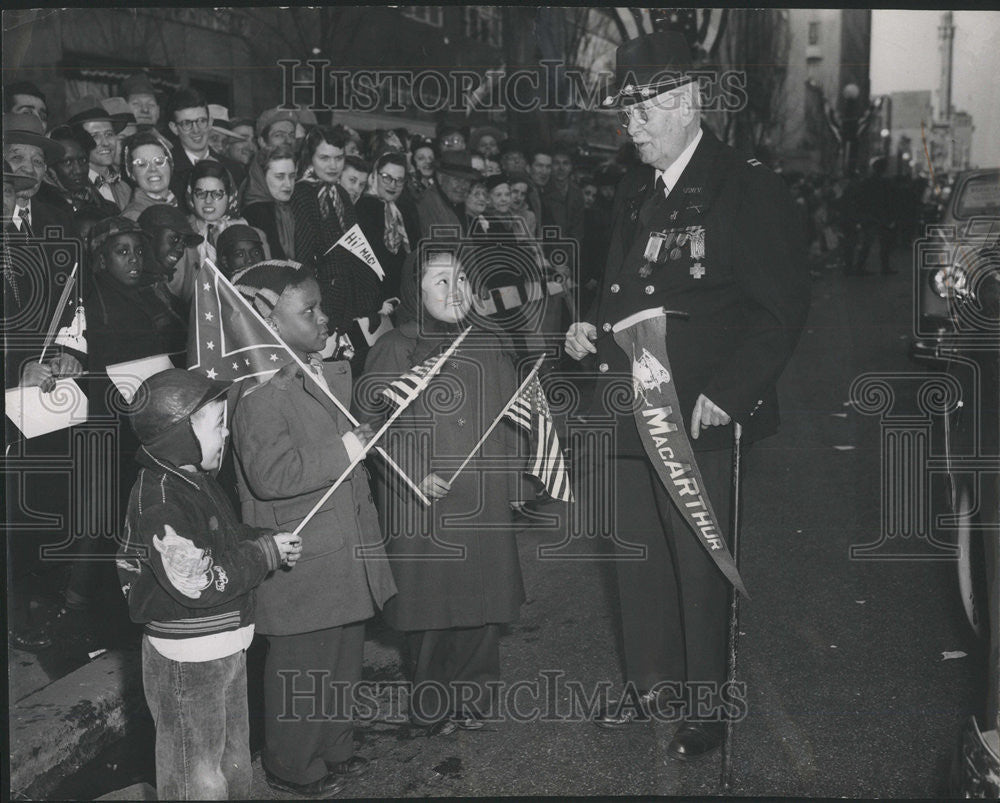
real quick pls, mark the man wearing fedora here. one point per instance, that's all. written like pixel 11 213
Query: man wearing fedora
pixel 29 153
pixel 709 236
pixel 88 115
pixel 441 203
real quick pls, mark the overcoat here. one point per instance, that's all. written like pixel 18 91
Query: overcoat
pixel 742 302
pixel 287 437
pixel 455 563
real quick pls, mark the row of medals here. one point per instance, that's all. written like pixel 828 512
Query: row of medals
pixel 669 243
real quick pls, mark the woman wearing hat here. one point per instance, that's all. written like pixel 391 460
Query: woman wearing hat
pixel 149 165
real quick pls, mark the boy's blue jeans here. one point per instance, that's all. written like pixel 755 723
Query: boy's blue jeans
pixel 202 726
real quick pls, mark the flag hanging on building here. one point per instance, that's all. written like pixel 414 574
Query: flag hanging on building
pixel 405 389
pixel 226 341
pixel 530 410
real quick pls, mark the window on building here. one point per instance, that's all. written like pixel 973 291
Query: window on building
pixel 813 33
pixel 482 23
pixel 429 15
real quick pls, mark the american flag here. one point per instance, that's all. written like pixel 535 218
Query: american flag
pixel 405 389
pixel 530 410
pixel 226 340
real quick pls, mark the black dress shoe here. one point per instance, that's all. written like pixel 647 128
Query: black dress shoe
pixel 327 786
pixel 352 768
pixel 629 709
pixel 695 739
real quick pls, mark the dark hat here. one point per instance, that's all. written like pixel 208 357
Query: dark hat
pixel 496 180
pixel 161 411
pixel 112 227
pixel 137 84
pixel 164 216
pixel 77 135
pixel 648 65
pixel 458 164
pixel 233 234
pixel 88 109
pixel 19 181
pixel 262 284
pixel 26 129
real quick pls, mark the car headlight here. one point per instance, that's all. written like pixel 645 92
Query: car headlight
pixel 950 282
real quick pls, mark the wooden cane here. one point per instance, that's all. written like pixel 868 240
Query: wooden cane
pixel 725 776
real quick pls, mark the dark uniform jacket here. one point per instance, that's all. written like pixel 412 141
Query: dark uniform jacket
pixel 745 300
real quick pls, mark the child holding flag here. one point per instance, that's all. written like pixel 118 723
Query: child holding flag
pixel 292 443
pixel 458 582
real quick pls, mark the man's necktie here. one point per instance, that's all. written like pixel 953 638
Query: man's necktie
pixel 661 187
pixel 24 214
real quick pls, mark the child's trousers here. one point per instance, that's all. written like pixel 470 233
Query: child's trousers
pixel 202 726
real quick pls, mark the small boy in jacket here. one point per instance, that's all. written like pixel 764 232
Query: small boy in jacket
pixel 188 568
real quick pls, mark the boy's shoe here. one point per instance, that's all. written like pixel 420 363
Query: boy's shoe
pixel 327 786
pixel 352 768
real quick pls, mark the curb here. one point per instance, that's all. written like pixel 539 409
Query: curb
pixel 60 728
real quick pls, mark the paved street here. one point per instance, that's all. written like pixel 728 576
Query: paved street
pixel 849 693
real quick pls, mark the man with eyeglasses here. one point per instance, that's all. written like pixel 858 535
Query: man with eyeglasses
pixel 189 120
pixel 709 237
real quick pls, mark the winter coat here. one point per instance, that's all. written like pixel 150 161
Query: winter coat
pixel 287 436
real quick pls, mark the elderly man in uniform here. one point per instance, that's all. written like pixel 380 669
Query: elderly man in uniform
pixel 732 276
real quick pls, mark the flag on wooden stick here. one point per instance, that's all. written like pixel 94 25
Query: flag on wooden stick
pixel 530 411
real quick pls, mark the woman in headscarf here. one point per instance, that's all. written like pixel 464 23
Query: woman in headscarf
pixel 149 166
pixel 459 582
pixel 267 199
pixel 214 205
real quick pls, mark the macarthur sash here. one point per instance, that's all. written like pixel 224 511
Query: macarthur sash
pixel 661 427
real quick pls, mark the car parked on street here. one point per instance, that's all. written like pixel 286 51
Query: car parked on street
pixel 957 330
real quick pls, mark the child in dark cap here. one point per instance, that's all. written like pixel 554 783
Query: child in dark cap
pixel 189 568
pixel 239 247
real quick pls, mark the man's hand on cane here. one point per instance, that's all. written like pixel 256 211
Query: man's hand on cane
pixel 707 414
